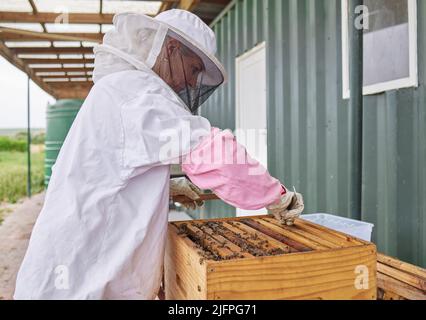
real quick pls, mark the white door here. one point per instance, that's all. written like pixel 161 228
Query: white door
pixel 251 108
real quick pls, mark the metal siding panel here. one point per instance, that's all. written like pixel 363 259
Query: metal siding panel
pixel 232 53
pixel 308 121
pixel 295 74
pixel 421 125
pixel 406 219
pixel 275 94
pixel 302 97
pixel 222 51
pixel 239 28
pixel 322 79
pixel 379 167
pixel 284 102
pixel 343 118
pixel 394 197
pixel 245 23
pixel 225 60
pixel 259 9
pixel 310 192
pixel 332 95
pixel 255 24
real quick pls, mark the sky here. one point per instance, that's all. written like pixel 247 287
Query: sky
pixel 13 99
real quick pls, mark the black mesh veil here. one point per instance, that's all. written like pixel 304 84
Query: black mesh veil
pixel 198 80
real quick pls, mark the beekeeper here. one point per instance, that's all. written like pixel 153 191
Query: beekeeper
pixel 102 230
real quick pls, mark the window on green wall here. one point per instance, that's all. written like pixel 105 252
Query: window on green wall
pixel 390 45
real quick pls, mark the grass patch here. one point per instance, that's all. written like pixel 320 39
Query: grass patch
pixel 9 144
pixel 18 141
pixel 13 175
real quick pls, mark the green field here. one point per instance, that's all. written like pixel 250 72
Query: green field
pixel 13 165
pixel 13 174
pixel 14 131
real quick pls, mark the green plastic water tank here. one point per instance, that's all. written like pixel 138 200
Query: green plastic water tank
pixel 60 117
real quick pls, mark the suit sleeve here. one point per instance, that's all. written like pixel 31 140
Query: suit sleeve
pixel 221 164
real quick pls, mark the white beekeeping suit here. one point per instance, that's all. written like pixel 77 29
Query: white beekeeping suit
pixel 102 230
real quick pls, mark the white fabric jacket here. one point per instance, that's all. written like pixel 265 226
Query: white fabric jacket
pixel 102 230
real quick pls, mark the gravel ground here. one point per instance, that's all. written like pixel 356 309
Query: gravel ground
pixel 15 232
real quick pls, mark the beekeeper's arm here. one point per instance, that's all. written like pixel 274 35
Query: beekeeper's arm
pixel 221 164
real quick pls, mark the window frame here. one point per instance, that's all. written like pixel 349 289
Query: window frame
pixel 408 82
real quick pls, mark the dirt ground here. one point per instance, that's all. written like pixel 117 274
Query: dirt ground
pixel 15 232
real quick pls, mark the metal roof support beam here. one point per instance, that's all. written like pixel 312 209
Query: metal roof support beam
pixel 28 140
pixel 34 7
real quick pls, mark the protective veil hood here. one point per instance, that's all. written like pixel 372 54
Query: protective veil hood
pixel 136 41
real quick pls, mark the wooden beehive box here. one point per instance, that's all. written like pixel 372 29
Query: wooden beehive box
pixel 398 280
pixel 257 258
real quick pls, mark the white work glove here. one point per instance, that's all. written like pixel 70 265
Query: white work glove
pixel 289 208
pixel 184 187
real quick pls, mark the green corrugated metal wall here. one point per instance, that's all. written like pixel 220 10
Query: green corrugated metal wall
pixel 308 132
